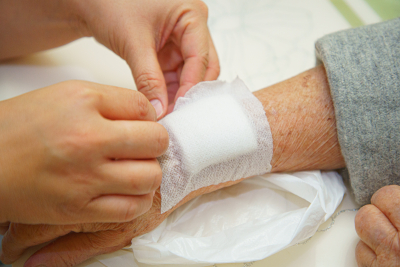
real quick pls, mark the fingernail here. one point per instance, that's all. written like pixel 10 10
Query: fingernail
pixel 157 106
pixel 154 192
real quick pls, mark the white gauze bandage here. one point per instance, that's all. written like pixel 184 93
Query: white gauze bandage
pixel 218 132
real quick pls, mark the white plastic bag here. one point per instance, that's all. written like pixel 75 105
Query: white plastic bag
pixel 245 222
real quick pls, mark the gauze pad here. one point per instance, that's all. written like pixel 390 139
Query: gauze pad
pixel 218 132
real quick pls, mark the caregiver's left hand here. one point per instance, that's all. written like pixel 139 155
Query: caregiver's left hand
pixel 378 226
pixel 167 44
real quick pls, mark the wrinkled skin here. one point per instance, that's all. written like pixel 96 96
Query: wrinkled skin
pixel 378 226
pixel 76 243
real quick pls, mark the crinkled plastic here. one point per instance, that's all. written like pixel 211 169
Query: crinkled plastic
pixel 245 222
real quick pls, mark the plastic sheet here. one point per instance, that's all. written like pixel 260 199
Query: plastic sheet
pixel 245 222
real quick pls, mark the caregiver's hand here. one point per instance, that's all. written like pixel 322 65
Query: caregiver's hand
pixel 378 226
pixel 58 150
pixel 167 44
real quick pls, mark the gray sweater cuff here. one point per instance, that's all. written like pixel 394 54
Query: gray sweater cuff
pixel 363 69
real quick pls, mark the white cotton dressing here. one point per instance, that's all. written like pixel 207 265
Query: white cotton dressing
pixel 218 132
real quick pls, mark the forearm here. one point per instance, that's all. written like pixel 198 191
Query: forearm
pixel 31 26
pixel 302 120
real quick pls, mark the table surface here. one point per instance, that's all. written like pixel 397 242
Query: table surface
pixel 263 42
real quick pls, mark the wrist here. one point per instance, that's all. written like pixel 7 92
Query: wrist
pixel 302 120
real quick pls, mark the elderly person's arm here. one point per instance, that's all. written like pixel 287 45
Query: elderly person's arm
pixel 363 69
pixel 302 121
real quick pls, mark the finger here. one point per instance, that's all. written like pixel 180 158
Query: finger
pixel 74 248
pixel 117 208
pixel 365 256
pixel 22 236
pixel 374 228
pixel 169 57
pixel 172 81
pixel 173 92
pixel 149 79
pixel 194 44
pixel 130 177
pixel 117 103
pixel 213 68
pixel 135 140
pixel 387 200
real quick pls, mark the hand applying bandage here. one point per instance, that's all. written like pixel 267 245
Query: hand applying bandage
pixel 302 122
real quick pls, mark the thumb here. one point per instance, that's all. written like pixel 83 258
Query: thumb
pixel 149 78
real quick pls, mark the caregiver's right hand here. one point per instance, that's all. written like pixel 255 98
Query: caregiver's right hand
pixel 78 152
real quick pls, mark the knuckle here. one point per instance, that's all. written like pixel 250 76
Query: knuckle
pixel 137 208
pixel 204 58
pixel 148 83
pixel 387 197
pixel 217 69
pixel 131 212
pixel 81 90
pixel 140 105
pixel 79 144
pixel 386 191
pixel 72 207
pixel 201 6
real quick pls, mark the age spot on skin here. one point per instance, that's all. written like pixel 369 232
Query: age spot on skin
pixel 306 81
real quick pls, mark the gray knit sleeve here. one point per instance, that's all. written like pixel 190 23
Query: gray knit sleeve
pixel 363 69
